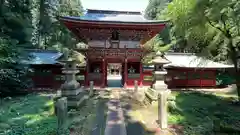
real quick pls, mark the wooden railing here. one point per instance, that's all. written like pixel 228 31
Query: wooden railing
pixel 134 76
pixel 115 52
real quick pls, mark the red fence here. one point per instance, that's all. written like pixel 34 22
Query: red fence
pixel 50 77
pixel 188 77
pixel 47 77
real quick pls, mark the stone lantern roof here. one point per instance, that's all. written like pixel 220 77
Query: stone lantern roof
pixel 160 59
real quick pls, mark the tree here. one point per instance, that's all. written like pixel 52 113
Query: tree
pixel 59 36
pixel 213 26
pixel 43 14
pixel 15 34
pixel 155 8
pixel 162 41
pixel 48 32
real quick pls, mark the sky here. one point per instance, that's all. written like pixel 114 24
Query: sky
pixel 122 5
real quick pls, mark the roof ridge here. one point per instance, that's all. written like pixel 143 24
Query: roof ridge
pixel 42 51
pixel 108 11
pixel 179 53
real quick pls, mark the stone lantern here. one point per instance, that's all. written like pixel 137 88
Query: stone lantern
pixel 71 88
pixel 161 88
pixel 159 72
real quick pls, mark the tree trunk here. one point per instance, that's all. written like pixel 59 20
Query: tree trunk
pixel 238 91
pixel 234 58
pixel 237 78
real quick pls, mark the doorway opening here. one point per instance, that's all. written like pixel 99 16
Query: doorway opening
pixel 114 75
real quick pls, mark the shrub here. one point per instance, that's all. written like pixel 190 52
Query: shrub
pixel 14 79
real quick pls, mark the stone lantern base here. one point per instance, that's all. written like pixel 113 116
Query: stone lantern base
pixel 71 88
pixel 158 85
pixel 74 93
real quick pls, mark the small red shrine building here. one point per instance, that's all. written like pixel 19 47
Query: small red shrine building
pixel 189 70
pixel 113 37
pixel 47 70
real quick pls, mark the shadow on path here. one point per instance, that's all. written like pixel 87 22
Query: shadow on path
pixel 101 109
pixel 134 127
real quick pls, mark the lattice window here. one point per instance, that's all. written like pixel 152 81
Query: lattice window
pixel 180 75
pixel 194 75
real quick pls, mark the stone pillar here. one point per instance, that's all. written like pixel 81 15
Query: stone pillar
pixel 141 74
pixel 71 88
pixel 62 125
pixel 160 87
pixel 162 108
pixel 125 74
pixel 135 86
pixel 103 73
pixel 86 73
pixel 91 88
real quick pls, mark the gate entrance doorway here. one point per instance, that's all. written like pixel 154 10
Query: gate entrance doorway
pixel 114 75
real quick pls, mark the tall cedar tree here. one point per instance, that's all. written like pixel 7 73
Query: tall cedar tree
pixel 15 33
pixel 213 26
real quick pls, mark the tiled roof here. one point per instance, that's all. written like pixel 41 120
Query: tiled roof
pixel 113 16
pixel 43 57
pixel 192 61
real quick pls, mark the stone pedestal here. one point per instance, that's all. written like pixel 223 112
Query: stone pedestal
pixel 91 88
pixel 162 108
pixel 135 86
pixel 61 106
pixel 71 88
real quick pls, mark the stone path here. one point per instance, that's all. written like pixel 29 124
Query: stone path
pixel 115 124
pixel 98 129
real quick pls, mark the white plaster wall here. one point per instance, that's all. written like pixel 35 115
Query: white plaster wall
pixel 100 43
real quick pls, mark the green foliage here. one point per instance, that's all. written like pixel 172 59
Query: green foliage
pixel 155 8
pixel 161 42
pixel 60 36
pixel 30 24
pixel 14 77
pixel 15 31
pixel 28 115
pixel 209 28
pixel 224 79
pixel 204 114
pixel 49 33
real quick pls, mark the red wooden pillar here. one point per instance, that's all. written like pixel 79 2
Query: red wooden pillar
pixel 125 74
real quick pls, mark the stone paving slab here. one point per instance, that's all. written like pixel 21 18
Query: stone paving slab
pixel 115 121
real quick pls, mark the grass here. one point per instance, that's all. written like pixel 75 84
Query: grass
pixel 29 115
pixel 33 114
pixel 204 113
pixel 91 118
pixel 194 113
